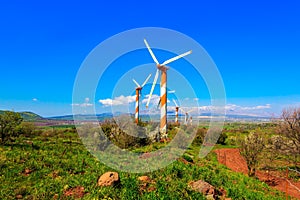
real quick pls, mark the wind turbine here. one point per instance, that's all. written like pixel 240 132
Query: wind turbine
pixel 137 97
pixel 186 115
pixel 163 87
pixel 176 111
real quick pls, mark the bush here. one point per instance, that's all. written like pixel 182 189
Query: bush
pixel 120 138
pixel 201 132
pixel 9 122
pixel 222 138
pixel 26 129
pixel 199 136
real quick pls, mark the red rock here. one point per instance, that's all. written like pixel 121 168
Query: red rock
pixel 202 187
pixel 144 178
pixel 108 179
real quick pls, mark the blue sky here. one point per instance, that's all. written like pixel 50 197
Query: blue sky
pixel 255 45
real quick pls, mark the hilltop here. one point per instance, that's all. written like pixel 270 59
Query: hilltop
pixel 28 116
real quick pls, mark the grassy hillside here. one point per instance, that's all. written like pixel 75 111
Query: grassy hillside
pixel 50 164
pixel 28 116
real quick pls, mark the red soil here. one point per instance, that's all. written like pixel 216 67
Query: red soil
pixel 233 160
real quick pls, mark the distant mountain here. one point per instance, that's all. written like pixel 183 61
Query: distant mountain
pixel 63 117
pixel 28 116
pixel 104 116
pixel 83 117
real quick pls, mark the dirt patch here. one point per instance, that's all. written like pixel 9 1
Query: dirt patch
pixel 233 160
pixel 76 192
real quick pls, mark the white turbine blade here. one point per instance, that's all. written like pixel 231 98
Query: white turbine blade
pixel 151 53
pixel 176 58
pixel 138 85
pixel 182 110
pixel 158 103
pixel 152 88
pixel 146 80
pixel 175 103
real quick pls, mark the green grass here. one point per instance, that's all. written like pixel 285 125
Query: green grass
pixel 61 162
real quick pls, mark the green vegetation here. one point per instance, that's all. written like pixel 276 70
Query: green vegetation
pixel 9 121
pixel 49 162
pixel 27 116
pixel 251 148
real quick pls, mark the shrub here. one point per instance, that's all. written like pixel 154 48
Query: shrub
pixel 120 138
pixel 222 138
pixel 9 122
pixel 26 129
pixel 199 136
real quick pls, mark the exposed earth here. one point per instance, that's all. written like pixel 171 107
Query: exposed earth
pixel 233 160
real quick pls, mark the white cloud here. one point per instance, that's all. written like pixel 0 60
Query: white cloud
pixel 121 100
pixel 233 107
pixel 171 91
pixel 85 104
pixel 82 104
pixel 35 99
pixel 154 99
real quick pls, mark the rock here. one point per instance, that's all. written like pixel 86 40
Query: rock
pixel 144 178
pixel 203 187
pixel 108 179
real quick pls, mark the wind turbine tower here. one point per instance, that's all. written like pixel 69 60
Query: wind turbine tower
pixel 163 87
pixel 137 97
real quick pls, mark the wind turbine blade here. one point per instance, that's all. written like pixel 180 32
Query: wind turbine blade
pixel 152 88
pixel 146 80
pixel 182 110
pixel 138 85
pixel 158 104
pixel 175 103
pixel 176 57
pixel 151 53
